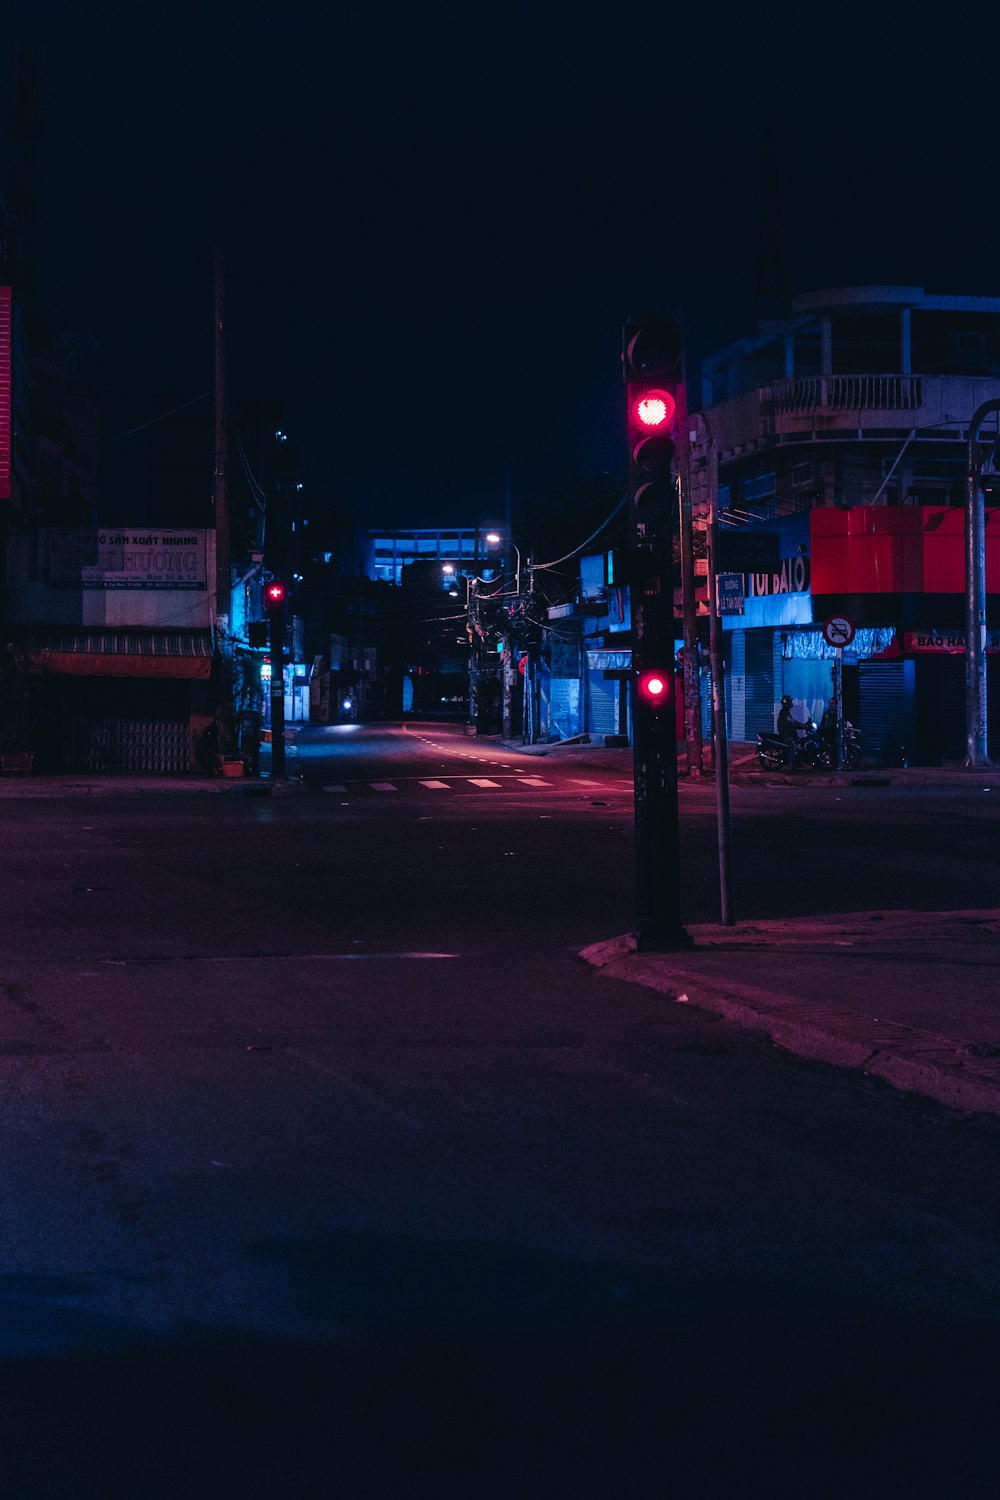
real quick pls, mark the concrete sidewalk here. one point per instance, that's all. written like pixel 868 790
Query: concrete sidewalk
pixel 744 766
pixel 909 997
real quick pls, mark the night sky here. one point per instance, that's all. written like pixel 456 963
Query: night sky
pixel 435 218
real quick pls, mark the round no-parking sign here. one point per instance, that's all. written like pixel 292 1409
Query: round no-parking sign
pixel 838 630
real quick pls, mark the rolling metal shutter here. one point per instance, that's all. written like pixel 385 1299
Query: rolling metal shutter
pixel 602 704
pixel 887 717
pixel 759 678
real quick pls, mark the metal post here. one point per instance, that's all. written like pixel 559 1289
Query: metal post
pixel 721 744
pixel 975 601
pixel 473 656
pixel 220 498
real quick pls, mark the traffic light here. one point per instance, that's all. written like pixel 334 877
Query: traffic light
pixel 274 595
pixel 653 366
pixel 257 633
pixel 656 688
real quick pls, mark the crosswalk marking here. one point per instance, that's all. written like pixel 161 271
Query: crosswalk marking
pixel 456 783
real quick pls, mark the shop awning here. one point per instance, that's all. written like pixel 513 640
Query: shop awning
pixel 609 661
pixel 121 653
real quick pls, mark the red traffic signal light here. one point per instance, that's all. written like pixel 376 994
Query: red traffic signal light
pixel 655 687
pixel 653 411
pixel 652 363
pixel 274 594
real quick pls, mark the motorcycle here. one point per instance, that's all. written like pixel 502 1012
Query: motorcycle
pixel 811 749
pixel 775 752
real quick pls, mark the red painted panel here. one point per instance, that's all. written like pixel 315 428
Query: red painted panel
pixel 908 549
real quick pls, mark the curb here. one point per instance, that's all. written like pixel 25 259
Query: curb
pixel 914 1061
pixel 40 789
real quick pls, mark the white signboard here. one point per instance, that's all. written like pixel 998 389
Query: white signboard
pixel 127 559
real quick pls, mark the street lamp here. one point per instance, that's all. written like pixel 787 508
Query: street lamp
pixel 494 539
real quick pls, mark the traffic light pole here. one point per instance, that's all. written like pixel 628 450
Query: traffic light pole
pixel 657 832
pixel 653 369
pixel 277 623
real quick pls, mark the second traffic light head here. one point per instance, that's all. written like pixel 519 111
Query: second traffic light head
pixel 651 350
pixel 274 595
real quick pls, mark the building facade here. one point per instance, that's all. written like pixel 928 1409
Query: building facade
pixel 839 440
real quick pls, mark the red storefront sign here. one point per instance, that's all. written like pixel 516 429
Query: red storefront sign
pixel 942 643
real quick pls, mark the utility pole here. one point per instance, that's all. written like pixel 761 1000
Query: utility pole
pixel 723 818
pixel 720 744
pixel 220 498
pixel 976 755
pixel 692 675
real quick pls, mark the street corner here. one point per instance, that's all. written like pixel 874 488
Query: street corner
pixel 599 955
pixel 960 1074
pixel 620 958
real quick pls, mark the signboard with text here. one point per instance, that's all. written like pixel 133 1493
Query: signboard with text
pixel 943 643
pixel 730 593
pixel 127 559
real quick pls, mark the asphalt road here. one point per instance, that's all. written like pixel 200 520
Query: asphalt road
pixel 329 1169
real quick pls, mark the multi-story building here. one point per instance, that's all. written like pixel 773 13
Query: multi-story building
pixel 841 440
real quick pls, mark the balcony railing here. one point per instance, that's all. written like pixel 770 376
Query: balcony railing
pixel 845 393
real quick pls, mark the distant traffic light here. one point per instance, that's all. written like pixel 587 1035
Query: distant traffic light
pixel 274 595
pixel 652 360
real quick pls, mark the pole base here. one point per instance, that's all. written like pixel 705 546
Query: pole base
pixel 675 941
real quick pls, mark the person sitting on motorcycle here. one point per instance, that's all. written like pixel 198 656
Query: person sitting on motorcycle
pixel 788 727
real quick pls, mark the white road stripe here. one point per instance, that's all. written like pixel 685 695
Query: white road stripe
pixel 481 781
pixel 535 781
pixel 437 786
pixel 383 786
pixel 337 788
pixel 578 782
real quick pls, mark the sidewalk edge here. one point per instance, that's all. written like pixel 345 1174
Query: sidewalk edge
pixel 908 1059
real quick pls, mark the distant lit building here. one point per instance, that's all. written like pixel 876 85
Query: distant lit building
pixel 387 552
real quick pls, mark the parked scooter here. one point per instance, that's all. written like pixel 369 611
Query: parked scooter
pixel 811 749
